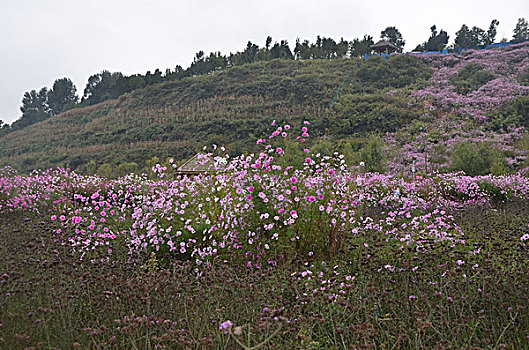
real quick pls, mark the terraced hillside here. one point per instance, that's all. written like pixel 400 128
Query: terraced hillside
pixel 421 107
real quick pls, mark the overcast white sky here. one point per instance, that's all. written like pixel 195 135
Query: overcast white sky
pixel 43 40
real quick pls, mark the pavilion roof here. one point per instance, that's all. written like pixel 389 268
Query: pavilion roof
pixel 200 163
pixel 383 44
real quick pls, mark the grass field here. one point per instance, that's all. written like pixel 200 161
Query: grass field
pixel 372 294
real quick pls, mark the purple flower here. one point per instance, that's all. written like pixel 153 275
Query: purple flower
pixel 226 325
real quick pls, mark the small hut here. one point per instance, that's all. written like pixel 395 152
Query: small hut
pixel 384 46
pixel 199 164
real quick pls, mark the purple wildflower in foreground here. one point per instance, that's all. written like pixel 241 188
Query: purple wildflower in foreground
pixel 226 325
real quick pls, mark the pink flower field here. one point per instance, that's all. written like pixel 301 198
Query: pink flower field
pixel 285 253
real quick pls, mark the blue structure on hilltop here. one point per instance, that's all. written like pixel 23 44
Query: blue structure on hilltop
pixel 387 54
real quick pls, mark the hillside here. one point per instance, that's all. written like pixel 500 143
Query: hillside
pixel 421 107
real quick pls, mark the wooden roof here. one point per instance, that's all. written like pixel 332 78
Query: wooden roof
pixel 200 163
pixel 384 44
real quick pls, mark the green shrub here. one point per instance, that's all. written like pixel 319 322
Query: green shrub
pixel 364 113
pixel 105 170
pixel 127 168
pixel 523 78
pixel 477 159
pixel 514 114
pixel 373 155
pixel 471 77
pixel 91 167
pixel 396 72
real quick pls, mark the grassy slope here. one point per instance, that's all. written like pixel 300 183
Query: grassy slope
pixel 232 108
pixel 345 99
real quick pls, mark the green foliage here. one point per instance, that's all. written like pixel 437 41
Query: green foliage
pixel 393 35
pixel 349 149
pixel 471 77
pixel 34 109
pixel 105 170
pixel 4 128
pixel 62 96
pixel 472 38
pixel 231 108
pixel 523 77
pixel 293 154
pixel 91 167
pixel 105 85
pixel 353 113
pixel 521 31
pixel 491 32
pixel 397 72
pixel 127 168
pixel 436 42
pixel 373 155
pixel 324 147
pixel 513 114
pixel 149 164
pixel 477 159
pixel 361 47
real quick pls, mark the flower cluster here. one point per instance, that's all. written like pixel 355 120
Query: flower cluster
pixel 255 207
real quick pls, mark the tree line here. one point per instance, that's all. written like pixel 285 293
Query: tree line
pixel 40 105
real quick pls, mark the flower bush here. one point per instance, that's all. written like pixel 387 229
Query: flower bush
pixel 254 208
